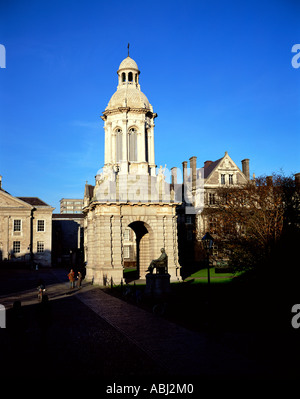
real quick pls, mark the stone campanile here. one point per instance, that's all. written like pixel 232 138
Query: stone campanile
pixel 129 125
pixel 129 192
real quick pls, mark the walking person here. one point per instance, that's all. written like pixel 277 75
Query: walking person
pixel 41 289
pixel 71 276
pixel 79 279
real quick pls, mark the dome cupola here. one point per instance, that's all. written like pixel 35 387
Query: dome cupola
pixel 128 92
pixel 128 73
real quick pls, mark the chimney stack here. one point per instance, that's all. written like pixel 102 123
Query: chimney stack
pixel 184 171
pixel 193 166
pixel 174 176
pixel 207 163
pixel 245 168
pixel 184 178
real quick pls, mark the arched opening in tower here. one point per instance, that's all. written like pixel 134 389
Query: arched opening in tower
pixel 142 253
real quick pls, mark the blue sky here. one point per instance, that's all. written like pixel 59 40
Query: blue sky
pixel 218 73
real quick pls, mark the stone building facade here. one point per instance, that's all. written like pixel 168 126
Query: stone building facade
pixel 25 229
pixel 195 215
pixel 129 192
pixel 71 205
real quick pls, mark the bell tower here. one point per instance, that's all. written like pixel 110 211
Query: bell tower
pixel 128 194
pixel 129 126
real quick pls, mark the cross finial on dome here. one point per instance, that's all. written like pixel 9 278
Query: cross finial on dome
pixel 128 49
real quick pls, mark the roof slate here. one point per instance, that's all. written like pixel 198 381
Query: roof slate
pixel 34 201
pixel 209 168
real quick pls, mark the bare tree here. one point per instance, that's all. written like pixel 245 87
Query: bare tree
pixel 249 220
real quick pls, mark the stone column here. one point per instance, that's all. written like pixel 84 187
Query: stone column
pixel 171 248
pixel 116 272
pixel 125 138
pixel 151 149
pixel 143 141
pixel 113 147
pixel 144 255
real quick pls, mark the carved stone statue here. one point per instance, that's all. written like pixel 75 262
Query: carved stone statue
pixel 160 264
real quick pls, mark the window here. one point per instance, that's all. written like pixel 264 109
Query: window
pixel 130 77
pixel 17 225
pixel 40 246
pixel 126 234
pixel 188 219
pixel 225 198
pixel 212 199
pixel 126 252
pixel 123 77
pixel 16 247
pixel 118 145
pixel 41 225
pixel 230 179
pixel 222 179
pixel 132 144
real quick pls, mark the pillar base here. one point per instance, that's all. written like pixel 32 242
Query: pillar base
pixel 157 285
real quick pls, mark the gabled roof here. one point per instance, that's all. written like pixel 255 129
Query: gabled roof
pixel 9 201
pixel 223 165
pixel 34 201
pixel 210 167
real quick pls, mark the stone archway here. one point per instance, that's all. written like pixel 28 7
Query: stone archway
pixel 144 249
pixel 155 227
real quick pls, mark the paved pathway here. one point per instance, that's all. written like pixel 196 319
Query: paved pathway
pixel 176 350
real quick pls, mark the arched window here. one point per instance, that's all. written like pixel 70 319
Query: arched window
pixel 118 145
pixel 130 77
pixel 123 77
pixel 132 144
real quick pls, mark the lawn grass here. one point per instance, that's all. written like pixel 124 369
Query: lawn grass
pixel 201 276
pixel 198 277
